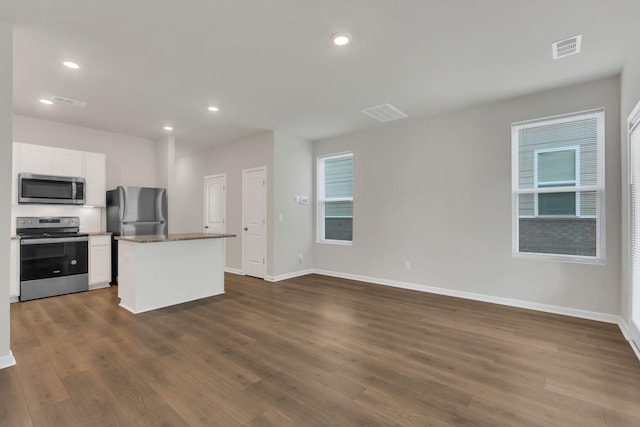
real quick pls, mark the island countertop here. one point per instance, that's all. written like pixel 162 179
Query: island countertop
pixel 155 238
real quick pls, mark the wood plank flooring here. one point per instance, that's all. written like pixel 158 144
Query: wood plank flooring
pixel 313 351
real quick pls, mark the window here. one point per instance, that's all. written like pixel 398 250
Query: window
pixel 335 198
pixel 558 187
pixel 557 167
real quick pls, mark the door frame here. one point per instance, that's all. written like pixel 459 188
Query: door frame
pixel 204 201
pixel 266 229
pixel 633 125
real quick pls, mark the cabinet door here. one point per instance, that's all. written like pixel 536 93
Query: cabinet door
pixel 36 159
pixel 95 165
pixel 67 162
pixel 100 264
pixel 14 269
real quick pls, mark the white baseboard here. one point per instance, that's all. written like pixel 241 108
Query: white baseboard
pixel 7 361
pixel 289 275
pixel 233 271
pixel 584 314
pixel 624 328
pixel 13 299
pixel 99 286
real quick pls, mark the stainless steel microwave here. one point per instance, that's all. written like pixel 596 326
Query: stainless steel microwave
pixel 47 189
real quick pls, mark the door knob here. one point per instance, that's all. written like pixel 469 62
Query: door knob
pixel 245 229
pixel 206 226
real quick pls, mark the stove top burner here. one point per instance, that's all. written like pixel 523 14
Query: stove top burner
pixel 48 227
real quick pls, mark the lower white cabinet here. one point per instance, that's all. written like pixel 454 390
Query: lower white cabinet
pixel 14 270
pixel 99 260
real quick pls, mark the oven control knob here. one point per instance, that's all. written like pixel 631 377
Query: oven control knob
pixel 74 262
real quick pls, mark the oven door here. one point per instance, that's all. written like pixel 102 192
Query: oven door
pixel 53 257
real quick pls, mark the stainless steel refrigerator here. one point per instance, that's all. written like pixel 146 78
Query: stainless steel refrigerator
pixel 134 211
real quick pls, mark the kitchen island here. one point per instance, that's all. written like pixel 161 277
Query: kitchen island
pixel 158 271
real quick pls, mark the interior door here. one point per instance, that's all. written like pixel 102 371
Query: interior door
pixel 215 197
pixel 634 149
pixel 254 212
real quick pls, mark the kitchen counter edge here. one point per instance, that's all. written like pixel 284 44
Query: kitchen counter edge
pixel 159 238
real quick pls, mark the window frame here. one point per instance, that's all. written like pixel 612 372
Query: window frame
pixel 321 199
pixel 599 188
pixel 575 182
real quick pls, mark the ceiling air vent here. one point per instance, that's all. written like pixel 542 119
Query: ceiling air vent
pixel 566 47
pixel 384 113
pixel 68 101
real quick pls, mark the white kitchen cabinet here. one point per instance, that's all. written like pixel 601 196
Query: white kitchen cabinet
pixel 95 168
pixel 43 160
pixel 67 162
pixel 14 270
pixel 35 159
pixel 99 261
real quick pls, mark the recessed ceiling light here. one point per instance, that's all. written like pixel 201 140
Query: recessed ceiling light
pixel 46 101
pixel 214 109
pixel 168 128
pixel 71 65
pixel 341 39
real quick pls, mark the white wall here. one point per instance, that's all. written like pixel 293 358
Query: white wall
pixel 130 160
pixel 231 159
pixel 293 176
pixel 6 107
pixel 437 192
pixel 629 97
pixel 166 173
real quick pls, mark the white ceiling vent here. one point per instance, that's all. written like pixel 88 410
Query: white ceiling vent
pixel 566 47
pixel 384 113
pixel 68 101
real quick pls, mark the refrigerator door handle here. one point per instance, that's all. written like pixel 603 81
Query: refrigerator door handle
pixel 144 222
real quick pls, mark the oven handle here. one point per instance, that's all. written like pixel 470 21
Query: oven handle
pixel 54 240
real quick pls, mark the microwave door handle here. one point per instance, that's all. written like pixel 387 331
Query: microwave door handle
pixel 74 190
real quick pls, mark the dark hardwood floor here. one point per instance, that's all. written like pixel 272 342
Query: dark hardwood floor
pixel 313 351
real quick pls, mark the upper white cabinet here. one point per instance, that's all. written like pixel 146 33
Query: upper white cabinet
pixel 34 159
pixel 67 162
pixel 42 160
pixel 95 169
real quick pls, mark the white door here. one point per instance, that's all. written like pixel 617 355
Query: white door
pixel 634 151
pixel 215 200
pixel 254 213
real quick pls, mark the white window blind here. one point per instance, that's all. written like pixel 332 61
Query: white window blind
pixel 558 187
pixel 634 144
pixel 335 198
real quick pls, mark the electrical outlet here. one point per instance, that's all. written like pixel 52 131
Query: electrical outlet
pixel 407 265
pixel 300 258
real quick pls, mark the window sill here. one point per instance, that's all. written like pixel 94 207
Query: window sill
pixel 336 242
pixel 575 259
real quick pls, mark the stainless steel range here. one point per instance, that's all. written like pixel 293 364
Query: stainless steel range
pixel 54 256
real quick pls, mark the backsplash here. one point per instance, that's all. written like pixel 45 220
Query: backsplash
pixel 91 219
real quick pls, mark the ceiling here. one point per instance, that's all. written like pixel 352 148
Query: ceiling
pixel 270 65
